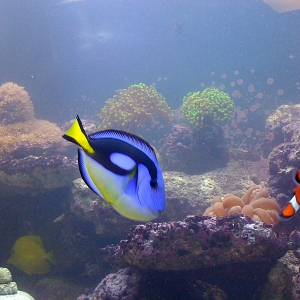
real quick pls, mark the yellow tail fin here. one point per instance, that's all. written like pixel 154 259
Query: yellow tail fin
pixel 51 257
pixel 76 134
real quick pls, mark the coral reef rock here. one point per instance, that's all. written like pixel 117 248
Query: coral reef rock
pixel 33 175
pixel 284 278
pixel 282 144
pixel 185 195
pixel 32 154
pixel 121 285
pixel 57 288
pixel 194 151
pixel 197 242
pixel 9 289
pixel 280 127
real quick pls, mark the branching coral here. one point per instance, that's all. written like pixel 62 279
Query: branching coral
pixel 255 203
pixel 211 103
pixel 15 104
pixel 137 106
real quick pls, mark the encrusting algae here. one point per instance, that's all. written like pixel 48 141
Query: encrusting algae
pixel 255 203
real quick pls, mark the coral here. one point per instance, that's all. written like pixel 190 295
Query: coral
pixel 34 133
pixel 137 106
pixel 211 103
pixel 15 104
pixel 255 203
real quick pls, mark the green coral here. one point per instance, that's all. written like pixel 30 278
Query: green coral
pixel 211 102
pixel 137 106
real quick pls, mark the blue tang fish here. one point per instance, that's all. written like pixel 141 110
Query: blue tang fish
pixel 121 168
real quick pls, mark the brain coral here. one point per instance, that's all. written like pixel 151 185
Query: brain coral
pixel 15 104
pixel 255 203
pixel 137 106
pixel 211 102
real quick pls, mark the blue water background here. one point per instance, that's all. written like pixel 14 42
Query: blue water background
pixel 72 57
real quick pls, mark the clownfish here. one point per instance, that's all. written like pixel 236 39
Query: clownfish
pixel 122 168
pixel 294 204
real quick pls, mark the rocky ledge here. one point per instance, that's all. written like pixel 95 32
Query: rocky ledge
pixel 197 242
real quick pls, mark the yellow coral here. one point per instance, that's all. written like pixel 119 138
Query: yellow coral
pixel 15 104
pixel 255 203
pixel 35 132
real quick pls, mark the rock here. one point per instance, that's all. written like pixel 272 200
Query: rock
pixel 194 151
pixel 5 275
pixel 284 279
pixel 275 133
pixel 34 175
pixel 197 242
pixel 18 296
pixel 124 284
pixel 8 288
pixel 57 288
pixel 185 195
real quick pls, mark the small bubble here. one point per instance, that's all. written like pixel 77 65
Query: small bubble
pixel 251 88
pixel 235 93
pixel 236 72
pixel 259 95
pixel 232 83
pixel 267 112
pixel 240 81
pixel 270 81
pixel 222 87
pixel 252 71
pixel 223 76
pixel 280 92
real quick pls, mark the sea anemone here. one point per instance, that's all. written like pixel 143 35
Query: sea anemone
pixel 255 203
